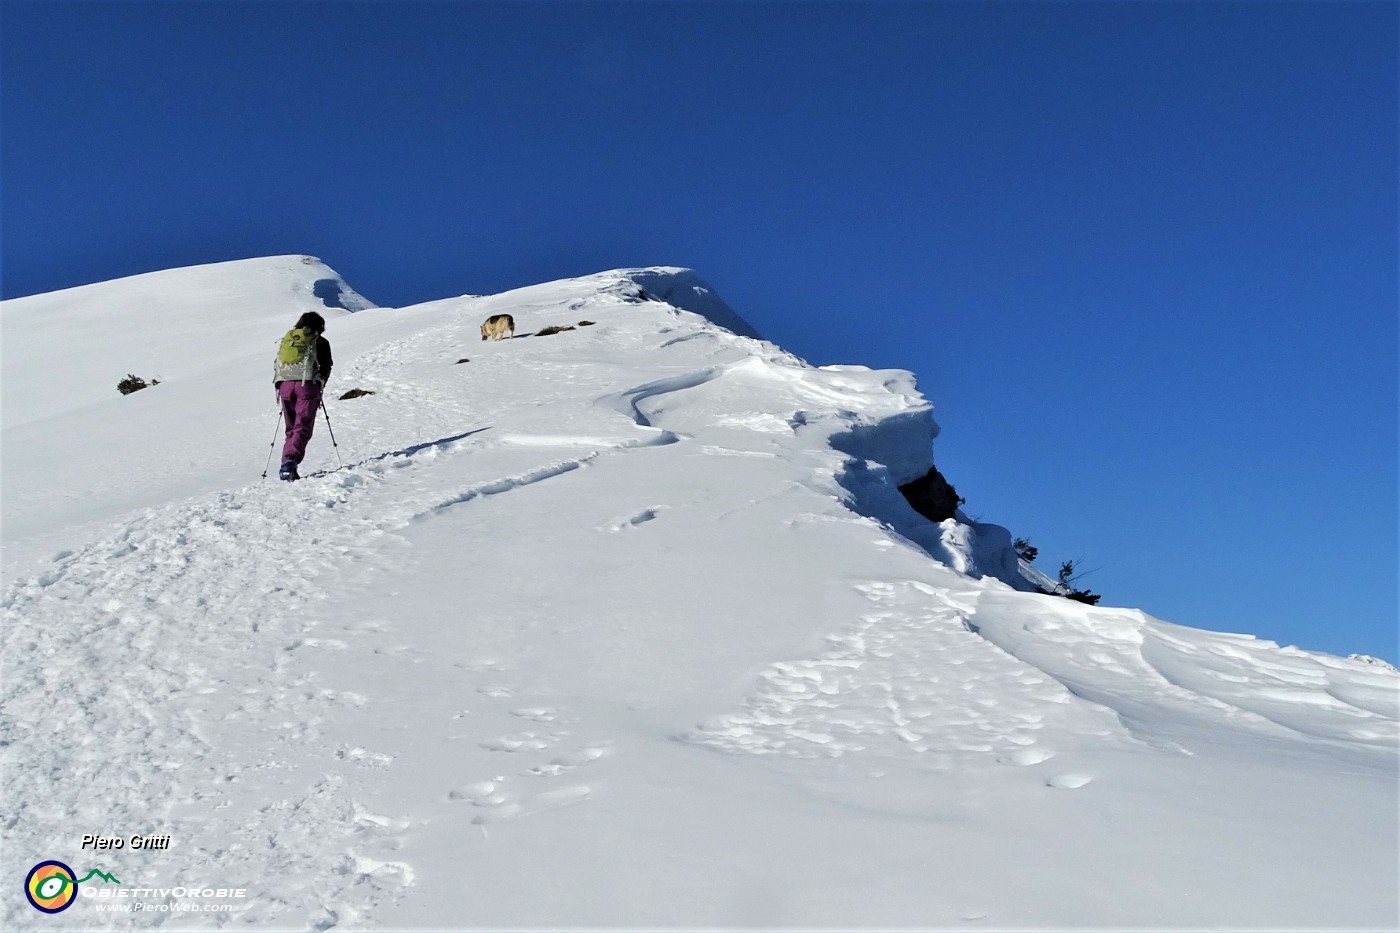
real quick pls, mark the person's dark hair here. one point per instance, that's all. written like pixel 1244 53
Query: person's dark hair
pixel 312 320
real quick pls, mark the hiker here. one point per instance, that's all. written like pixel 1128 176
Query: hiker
pixel 302 369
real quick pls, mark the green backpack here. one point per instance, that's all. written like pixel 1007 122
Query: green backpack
pixel 296 355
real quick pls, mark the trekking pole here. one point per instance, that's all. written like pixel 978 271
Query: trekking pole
pixel 332 430
pixel 273 446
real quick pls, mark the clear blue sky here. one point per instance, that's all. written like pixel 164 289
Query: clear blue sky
pixel 1142 256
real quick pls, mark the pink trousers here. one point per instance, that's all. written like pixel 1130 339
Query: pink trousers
pixel 300 400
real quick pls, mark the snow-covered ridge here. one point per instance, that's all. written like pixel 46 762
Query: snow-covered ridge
pixel 645 587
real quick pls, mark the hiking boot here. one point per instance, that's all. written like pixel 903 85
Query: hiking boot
pixel 288 471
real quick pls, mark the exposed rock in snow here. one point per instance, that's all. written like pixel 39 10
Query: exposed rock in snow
pixel 932 496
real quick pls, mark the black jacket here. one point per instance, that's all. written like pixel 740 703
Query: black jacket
pixel 323 360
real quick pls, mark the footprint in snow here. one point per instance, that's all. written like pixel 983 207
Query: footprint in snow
pixel 364 757
pixel 1027 756
pixel 484 664
pixel 571 760
pixel 1070 780
pixel 335 644
pixel 362 817
pixel 520 741
pixel 497 807
pixel 641 518
pixel 479 793
pixel 549 800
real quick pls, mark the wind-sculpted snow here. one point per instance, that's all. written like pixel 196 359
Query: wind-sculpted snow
pixel 628 626
pixel 1164 679
pixel 683 289
pixel 910 680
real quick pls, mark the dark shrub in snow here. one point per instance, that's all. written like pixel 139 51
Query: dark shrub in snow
pixel 133 383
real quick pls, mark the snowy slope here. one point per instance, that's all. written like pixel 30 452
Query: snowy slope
pixel 622 627
pixel 67 349
pixel 203 331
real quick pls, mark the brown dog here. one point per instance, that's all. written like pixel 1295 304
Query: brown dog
pixel 498 327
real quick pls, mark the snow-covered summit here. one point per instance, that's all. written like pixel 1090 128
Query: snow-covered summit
pixel 684 289
pixel 625 625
